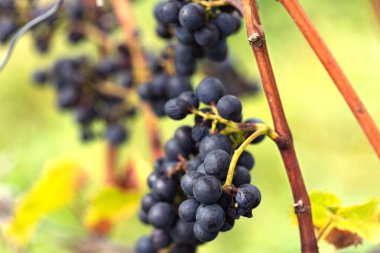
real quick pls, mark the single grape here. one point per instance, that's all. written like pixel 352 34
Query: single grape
pixel 210 90
pixel 207 189
pixel 161 215
pixel 192 16
pixel 216 163
pixel 116 134
pixel 188 209
pixel 188 181
pixel 161 238
pixel 145 245
pixel 248 196
pixel 210 217
pixel 202 235
pixel 229 107
pixel 241 176
pixel 246 160
pixel 165 188
pixel 148 201
pixel 177 109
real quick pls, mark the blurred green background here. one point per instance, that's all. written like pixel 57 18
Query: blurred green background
pixel 333 152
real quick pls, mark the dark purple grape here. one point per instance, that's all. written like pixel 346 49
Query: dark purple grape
pixel 161 215
pixel 192 16
pixel 187 210
pixel 207 189
pixel 210 90
pixel 248 196
pixel 145 245
pixel 229 107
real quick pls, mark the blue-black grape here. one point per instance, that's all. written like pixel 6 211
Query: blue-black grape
pixel 202 235
pixel 161 238
pixel 246 160
pixel 241 176
pixel 207 189
pixel 116 134
pixel 161 215
pixel 248 196
pixel 177 108
pixel 210 217
pixel 188 181
pixel 216 163
pixel 145 245
pixel 188 209
pixel 148 201
pixel 164 188
pixel 230 108
pixel 210 90
pixel 192 16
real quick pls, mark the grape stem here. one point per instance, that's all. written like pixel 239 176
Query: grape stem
pixel 336 73
pixel 256 38
pixel 262 129
pixel 233 127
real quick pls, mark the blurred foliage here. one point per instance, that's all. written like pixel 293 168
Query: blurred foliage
pixel 331 219
pixel 109 206
pixel 333 152
pixel 58 187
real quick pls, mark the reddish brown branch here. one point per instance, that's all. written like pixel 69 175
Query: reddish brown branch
pixel 124 13
pixel 376 7
pixel 342 83
pixel 111 165
pixel 154 134
pixel 302 207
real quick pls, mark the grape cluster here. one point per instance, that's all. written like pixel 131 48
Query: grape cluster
pixel 87 89
pixel 201 31
pixel 75 17
pixel 189 203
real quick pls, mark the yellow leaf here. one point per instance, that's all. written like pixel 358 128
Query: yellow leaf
pixel 362 219
pixel 109 206
pixel 323 205
pixel 56 188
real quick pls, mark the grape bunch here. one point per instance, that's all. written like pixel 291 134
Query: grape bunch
pixel 201 30
pixel 87 88
pixel 76 18
pixel 192 197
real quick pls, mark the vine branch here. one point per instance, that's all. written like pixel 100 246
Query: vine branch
pixel 376 7
pixel 111 164
pixel 257 41
pixel 344 86
pixel 124 14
